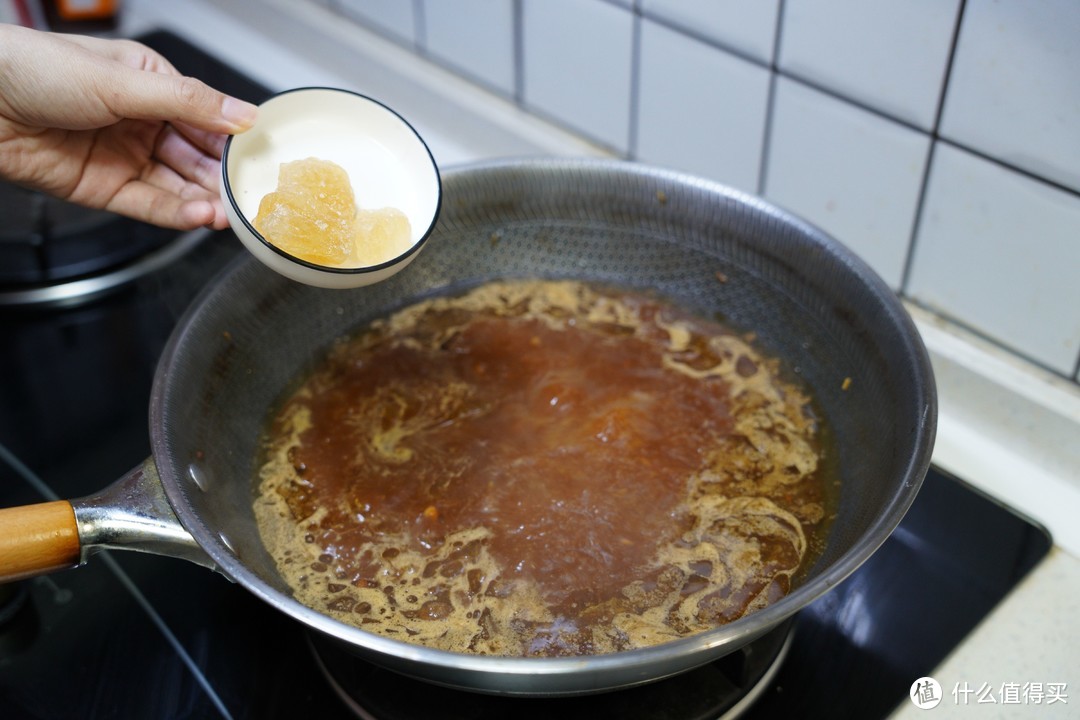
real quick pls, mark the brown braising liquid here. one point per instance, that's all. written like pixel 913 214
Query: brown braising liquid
pixel 542 468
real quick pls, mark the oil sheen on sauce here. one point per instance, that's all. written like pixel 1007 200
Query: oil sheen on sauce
pixel 542 469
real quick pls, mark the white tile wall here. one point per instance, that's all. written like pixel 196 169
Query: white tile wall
pixel 700 109
pixel 395 18
pixel 990 253
pixel 474 36
pixel 578 56
pixel 1014 92
pixel 835 123
pixel 853 173
pixel 745 26
pixel 889 55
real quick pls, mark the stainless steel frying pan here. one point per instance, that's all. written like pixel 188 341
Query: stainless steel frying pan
pixel 713 250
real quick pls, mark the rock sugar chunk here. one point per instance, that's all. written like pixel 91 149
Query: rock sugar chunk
pixel 313 215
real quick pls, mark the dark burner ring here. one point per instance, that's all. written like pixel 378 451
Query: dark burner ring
pixel 48 243
pixel 721 689
pixel 76 291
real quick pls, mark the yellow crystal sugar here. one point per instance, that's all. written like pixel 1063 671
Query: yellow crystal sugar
pixel 381 235
pixel 313 216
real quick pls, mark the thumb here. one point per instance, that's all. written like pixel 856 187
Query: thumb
pixel 146 95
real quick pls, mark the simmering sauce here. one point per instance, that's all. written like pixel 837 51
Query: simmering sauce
pixel 542 469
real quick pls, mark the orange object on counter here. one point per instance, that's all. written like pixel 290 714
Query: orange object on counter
pixel 86 9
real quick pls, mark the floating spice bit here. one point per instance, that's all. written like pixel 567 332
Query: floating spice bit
pixel 846 384
pixel 341 604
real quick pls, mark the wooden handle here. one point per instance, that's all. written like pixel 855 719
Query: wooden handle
pixel 36 539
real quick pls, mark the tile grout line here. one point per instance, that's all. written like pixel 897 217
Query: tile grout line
pixel 519 100
pixel 770 102
pixel 772 67
pixel 693 34
pixel 776 72
pixel 518 30
pixel 984 336
pixel 633 121
pixel 419 28
pixel 920 204
pixel 1054 184
pixel 47 492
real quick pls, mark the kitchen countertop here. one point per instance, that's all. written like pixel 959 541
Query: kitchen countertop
pixel 1007 428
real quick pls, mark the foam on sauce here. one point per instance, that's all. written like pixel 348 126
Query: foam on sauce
pixel 542 469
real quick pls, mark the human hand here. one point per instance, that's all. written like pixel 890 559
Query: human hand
pixel 110 124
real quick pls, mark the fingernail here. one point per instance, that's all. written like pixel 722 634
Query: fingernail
pixel 239 113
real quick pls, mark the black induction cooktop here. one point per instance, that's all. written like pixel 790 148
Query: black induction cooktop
pixel 137 636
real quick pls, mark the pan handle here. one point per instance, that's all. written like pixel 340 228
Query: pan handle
pixel 37 539
pixel 131 514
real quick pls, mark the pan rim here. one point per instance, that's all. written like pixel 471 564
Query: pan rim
pixel 623 663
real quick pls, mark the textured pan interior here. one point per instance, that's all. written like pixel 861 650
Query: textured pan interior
pixel 708 248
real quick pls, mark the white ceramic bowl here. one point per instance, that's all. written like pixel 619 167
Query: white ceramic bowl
pixel 388 163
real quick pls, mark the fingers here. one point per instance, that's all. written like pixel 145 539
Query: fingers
pixel 170 96
pixel 147 203
pixel 176 151
pixel 154 205
pixel 164 198
pixel 211 143
pixel 71 99
pixel 74 82
pixel 184 100
pixel 129 52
